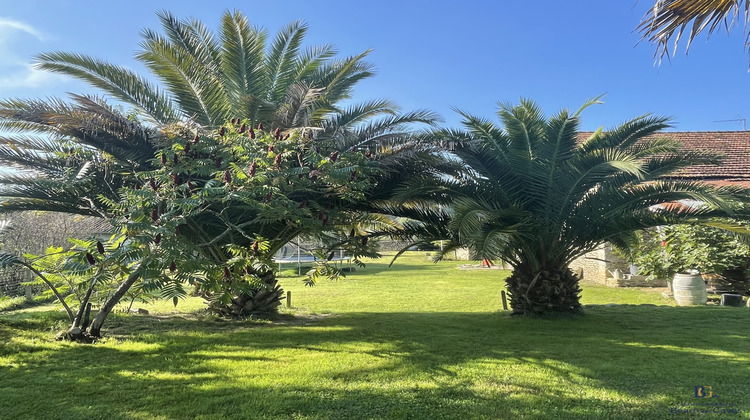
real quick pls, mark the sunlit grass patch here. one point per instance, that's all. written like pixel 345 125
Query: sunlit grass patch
pixel 417 340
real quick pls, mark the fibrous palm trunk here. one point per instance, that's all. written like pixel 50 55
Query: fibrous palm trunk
pixel 545 291
pixel 262 300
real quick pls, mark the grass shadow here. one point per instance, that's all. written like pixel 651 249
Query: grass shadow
pixel 616 362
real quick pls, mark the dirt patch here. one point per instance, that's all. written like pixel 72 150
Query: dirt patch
pixel 479 267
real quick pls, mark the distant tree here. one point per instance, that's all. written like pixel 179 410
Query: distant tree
pixel 33 232
pixel 669 19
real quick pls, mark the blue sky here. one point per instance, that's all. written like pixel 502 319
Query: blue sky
pixel 429 54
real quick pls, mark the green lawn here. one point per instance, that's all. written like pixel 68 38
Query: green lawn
pixel 413 341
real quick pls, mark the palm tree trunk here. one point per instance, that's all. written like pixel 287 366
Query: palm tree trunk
pixel 263 300
pixel 550 290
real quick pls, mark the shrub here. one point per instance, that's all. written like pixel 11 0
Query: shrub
pixel 665 251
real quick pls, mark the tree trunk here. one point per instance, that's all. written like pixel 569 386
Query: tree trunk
pixel 263 300
pixel 545 291
pixel 80 330
pixel 96 325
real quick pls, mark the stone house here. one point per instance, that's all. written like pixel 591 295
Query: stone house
pixel 604 267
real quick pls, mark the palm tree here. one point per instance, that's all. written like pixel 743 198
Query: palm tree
pixel 210 78
pixel 73 157
pixel 670 18
pixel 536 195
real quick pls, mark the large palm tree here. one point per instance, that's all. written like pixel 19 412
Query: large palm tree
pixel 669 19
pixel 73 156
pixel 535 195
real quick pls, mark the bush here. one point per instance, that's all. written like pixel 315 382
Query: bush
pixel 665 251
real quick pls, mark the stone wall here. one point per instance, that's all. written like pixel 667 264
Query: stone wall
pixel 599 267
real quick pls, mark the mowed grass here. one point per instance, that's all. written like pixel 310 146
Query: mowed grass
pixel 416 341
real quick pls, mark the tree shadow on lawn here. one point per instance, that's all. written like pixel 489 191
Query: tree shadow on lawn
pixel 612 362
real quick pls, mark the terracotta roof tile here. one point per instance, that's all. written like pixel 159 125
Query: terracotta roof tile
pixel 732 146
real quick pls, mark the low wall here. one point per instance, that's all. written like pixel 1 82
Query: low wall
pixel 599 265
pixel 628 280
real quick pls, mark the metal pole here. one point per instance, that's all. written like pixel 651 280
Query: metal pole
pixel 299 263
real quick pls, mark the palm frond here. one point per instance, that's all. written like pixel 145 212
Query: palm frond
pixel 117 81
pixel 339 76
pixel 196 88
pixel 281 60
pixel 669 19
pixel 242 58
